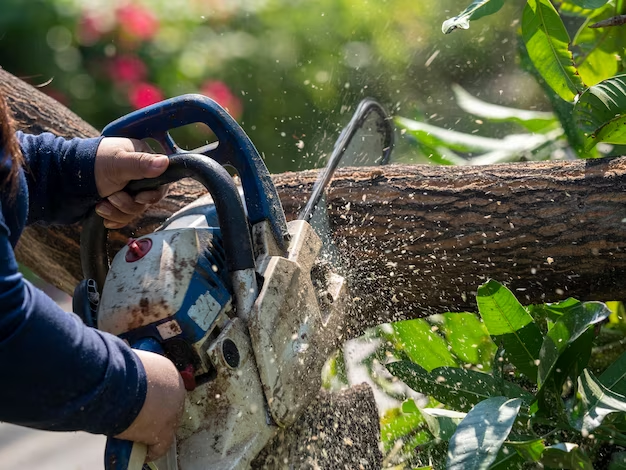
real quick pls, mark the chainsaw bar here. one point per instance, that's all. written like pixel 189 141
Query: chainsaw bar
pixel 367 140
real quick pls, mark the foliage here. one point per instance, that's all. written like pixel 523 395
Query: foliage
pixel 290 72
pixel 582 77
pixel 529 394
pixel 539 402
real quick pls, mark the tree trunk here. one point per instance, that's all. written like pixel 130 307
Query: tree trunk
pixel 415 239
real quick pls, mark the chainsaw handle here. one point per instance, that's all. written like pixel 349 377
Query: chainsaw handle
pixel 214 177
pixel 234 148
pixel 120 454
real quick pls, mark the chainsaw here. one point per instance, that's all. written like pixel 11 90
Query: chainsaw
pixel 242 302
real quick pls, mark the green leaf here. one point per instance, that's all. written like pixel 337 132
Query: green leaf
pixel 596 403
pixel 500 310
pixel 469 339
pixel 554 311
pixel 421 344
pixel 565 455
pixel 596 50
pixel 508 459
pixel 530 449
pixel 565 332
pixel 397 423
pixel 573 360
pixel 477 9
pixel 601 112
pixel 512 325
pixel 478 438
pixel 589 4
pixel 547 43
pixel 432 139
pixel 614 377
pixel 534 121
pixel 458 388
pixel 334 376
pixel 549 313
pixel 569 9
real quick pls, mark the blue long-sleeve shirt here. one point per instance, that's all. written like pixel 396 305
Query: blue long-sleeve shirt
pixel 56 373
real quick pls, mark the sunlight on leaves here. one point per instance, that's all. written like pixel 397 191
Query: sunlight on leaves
pixel 511 324
pixel 535 121
pixel 601 112
pixel 595 404
pixel 477 9
pixel 478 438
pixel 547 43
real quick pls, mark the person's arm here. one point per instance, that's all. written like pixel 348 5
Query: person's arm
pixel 89 380
pixel 60 177
pixel 57 374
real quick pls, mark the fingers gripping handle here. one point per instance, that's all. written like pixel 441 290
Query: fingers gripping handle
pixel 127 455
pixel 234 148
pixel 232 218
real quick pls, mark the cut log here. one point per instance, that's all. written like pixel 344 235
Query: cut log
pixel 416 239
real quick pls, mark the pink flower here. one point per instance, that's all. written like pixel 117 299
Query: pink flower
pixel 91 27
pixel 144 94
pixel 137 21
pixel 127 69
pixel 220 92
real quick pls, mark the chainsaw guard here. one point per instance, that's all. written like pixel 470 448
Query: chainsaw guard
pixel 294 323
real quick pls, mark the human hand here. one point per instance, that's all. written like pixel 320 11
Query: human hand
pixel 156 423
pixel 119 161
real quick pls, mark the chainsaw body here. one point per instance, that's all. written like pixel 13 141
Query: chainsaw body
pixel 245 377
pixel 243 307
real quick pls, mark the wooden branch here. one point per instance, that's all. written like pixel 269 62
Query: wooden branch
pixel 421 239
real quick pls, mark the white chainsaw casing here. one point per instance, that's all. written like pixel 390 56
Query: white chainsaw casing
pixel 153 288
pixel 280 346
pixel 225 424
pixel 292 321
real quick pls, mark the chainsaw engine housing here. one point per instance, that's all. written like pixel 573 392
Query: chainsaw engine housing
pixel 174 291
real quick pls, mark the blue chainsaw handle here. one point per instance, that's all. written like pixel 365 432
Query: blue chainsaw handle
pixel 234 148
pixel 118 452
pixel 214 177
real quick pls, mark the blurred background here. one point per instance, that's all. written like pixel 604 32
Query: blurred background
pixel 290 72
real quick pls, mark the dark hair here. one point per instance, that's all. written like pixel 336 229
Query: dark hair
pixel 10 146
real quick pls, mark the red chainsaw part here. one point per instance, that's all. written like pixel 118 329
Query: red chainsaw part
pixel 137 249
pixel 189 379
